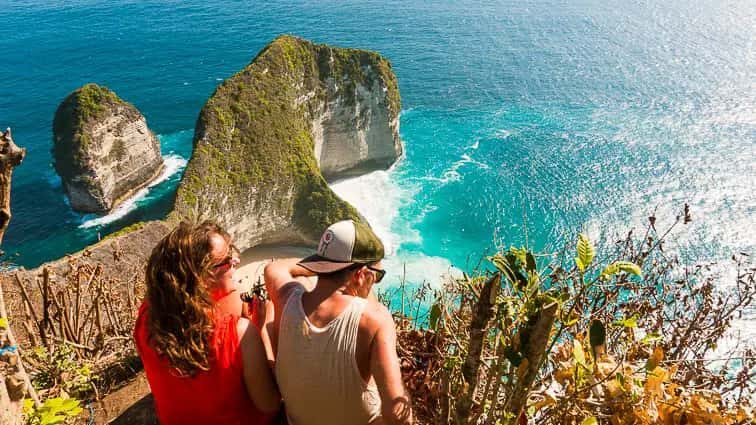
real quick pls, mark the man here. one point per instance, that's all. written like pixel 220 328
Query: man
pixel 336 361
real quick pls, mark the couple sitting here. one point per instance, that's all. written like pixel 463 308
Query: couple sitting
pixel 335 346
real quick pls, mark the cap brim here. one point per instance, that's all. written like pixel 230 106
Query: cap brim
pixel 317 264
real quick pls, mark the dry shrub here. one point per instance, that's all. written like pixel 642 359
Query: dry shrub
pixel 567 338
pixel 79 324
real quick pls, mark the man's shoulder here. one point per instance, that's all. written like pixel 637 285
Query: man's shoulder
pixel 377 315
pixel 287 290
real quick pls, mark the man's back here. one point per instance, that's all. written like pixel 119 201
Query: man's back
pixel 348 265
pixel 317 368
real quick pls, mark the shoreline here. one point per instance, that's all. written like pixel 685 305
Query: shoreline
pixel 253 261
pixel 133 191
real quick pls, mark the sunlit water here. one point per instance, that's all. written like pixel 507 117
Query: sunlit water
pixel 541 118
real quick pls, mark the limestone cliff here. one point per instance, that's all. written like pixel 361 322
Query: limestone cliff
pixel 102 148
pixel 268 135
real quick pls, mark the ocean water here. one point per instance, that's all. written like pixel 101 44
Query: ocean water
pixel 521 119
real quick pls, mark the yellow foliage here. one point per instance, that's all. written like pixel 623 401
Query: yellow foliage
pixel 630 393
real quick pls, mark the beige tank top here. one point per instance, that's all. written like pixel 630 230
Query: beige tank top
pixel 317 371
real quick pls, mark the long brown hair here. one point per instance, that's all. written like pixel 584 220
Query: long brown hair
pixel 180 308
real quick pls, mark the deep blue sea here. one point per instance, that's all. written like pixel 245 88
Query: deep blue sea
pixel 519 117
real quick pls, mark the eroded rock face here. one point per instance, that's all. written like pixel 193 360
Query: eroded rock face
pixel 268 135
pixel 103 149
pixel 357 128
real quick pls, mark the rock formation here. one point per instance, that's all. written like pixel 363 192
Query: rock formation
pixel 268 135
pixel 102 148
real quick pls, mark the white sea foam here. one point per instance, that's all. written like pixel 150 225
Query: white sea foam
pixel 417 268
pixel 378 198
pixel 124 208
pixel 453 173
pixel 404 112
pixel 172 165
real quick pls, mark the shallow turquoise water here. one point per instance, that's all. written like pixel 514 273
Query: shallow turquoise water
pixel 566 116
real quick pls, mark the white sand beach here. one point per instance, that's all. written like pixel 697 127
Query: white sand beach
pixel 253 262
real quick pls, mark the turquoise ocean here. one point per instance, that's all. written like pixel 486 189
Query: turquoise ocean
pixel 543 117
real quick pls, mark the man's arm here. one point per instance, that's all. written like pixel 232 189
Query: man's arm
pixel 384 366
pixel 280 276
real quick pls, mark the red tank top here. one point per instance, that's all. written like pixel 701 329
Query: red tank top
pixel 217 396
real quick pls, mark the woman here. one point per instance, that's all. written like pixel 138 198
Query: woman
pixel 204 363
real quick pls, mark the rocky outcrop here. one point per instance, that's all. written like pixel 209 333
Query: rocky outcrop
pixel 356 129
pixel 102 148
pixel 268 135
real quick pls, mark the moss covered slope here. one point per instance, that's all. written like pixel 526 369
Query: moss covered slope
pixel 254 168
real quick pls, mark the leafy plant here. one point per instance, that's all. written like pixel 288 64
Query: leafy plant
pixel 625 337
pixel 53 411
pixel 585 251
pixel 61 369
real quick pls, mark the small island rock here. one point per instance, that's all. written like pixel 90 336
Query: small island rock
pixel 103 149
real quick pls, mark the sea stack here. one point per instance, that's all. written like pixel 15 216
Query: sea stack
pixel 103 149
pixel 269 137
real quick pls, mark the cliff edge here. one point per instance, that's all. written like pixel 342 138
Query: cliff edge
pixel 103 149
pixel 269 136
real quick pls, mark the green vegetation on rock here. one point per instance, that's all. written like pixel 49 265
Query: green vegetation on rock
pixel 103 149
pixel 128 229
pixel 253 146
pixel 79 111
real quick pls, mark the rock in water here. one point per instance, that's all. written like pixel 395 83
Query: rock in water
pixel 268 135
pixel 102 148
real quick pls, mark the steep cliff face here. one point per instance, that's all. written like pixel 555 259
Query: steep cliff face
pixel 356 128
pixel 103 149
pixel 268 135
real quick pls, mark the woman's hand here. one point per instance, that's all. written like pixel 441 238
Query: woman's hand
pixel 255 311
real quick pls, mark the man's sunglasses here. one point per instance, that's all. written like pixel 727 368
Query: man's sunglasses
pixel 379 273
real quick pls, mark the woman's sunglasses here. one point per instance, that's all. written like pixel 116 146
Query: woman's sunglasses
pixel 226 264
pixel 229 261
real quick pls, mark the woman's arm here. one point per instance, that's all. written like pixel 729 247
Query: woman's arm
pixel 258 378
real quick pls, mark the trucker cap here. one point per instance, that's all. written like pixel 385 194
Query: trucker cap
pixel 343 244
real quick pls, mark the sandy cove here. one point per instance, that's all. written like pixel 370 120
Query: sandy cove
pixel 253 262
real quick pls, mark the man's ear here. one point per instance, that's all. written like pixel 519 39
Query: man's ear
pixel 359 276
